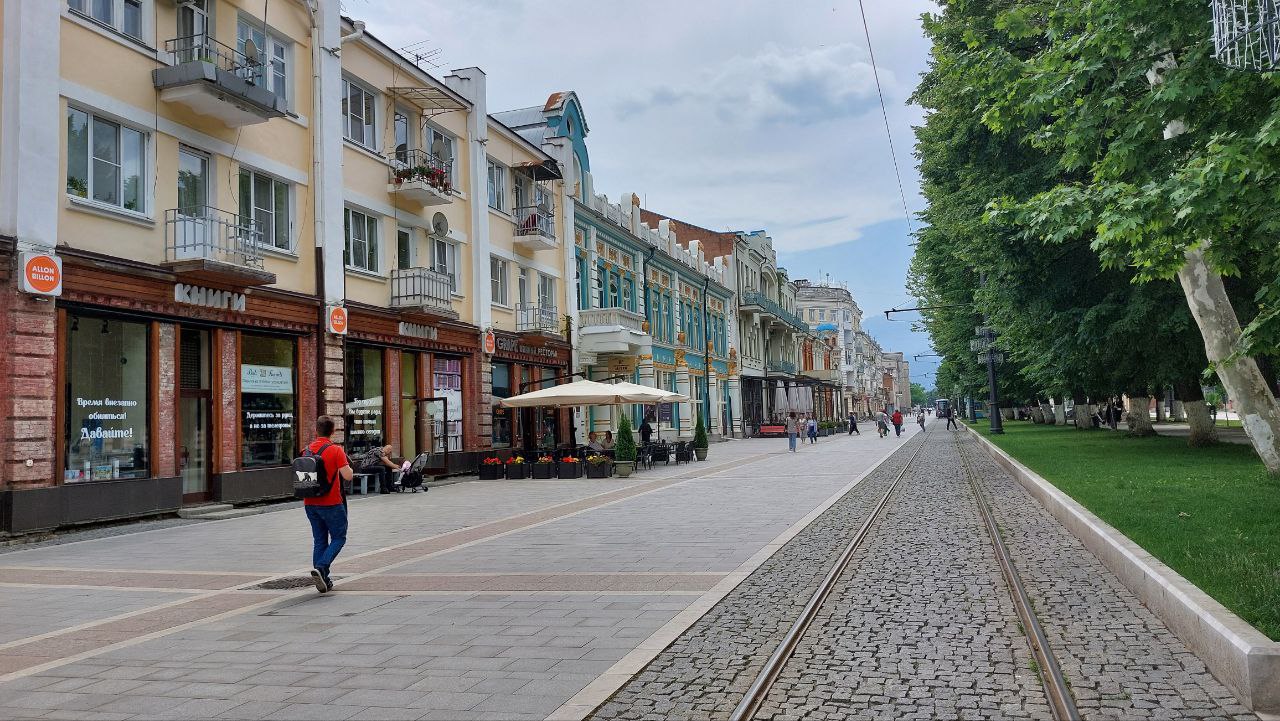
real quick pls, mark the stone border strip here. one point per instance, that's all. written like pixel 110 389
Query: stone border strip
pixel 616 676
pixel 514 583
pixel 1242 658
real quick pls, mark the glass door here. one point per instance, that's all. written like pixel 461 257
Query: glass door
pixel 193 28
pixel 194 418
pixel 193 232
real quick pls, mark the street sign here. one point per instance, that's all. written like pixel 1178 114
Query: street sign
pixel 337 316
pixel 41 273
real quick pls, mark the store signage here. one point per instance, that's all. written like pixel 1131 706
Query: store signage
pixel 664 412
pixel 417 330
pixel 489 341
pixel 41 273
pixel 113 411
pixel 208 297
pixel 622 366
pixel 265 379
pixel 513 345
pixel 337 316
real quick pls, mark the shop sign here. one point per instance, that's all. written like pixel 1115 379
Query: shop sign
pixel 337 319
pixel 417 330
pixel 625 365
pixel 489 341
pixel 265 379
pixel 208 297
pixel 513 345
pixel 41 273
pixel 114 411
pixel 664 412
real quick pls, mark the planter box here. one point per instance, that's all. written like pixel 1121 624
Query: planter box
pixel 569 470
pixel 492 472
pixel 599 470
pixel 517 471
pixel 543 470
pixel 700 453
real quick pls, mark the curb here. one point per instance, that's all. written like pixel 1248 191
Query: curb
pixel 1240 656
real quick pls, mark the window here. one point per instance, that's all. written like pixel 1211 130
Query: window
pixel 124 16
pixel 522 287
pixel 502 383
pixel 364 400
pixel 264 201
pixel 520 190
pixel 404 248
pixel 546 291
pixel 358 106
pixel 498 279
pixel 267 403
pixel 497 186
pixel 584 283
pixel 193 181
pixel 440 144
pixel 408 404
pixel 400 125
pixel 272 72
pixel 107 393
pixel 362 240
pixel 105 160
pixel 444 259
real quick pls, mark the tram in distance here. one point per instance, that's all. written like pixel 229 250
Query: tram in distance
pixel 941 405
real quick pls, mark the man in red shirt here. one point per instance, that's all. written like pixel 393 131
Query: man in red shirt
pixel 328 513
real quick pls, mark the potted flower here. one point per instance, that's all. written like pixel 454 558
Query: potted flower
pixel 403 175
pixel 491 469
pixel 599 466
pixel 517 469
pixel 700 440
pixel 570 467
pixel 624 449
pixel 544 467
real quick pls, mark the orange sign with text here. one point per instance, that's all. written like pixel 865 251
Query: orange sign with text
pixel 490 342
pixel 41 274
pixel 337 320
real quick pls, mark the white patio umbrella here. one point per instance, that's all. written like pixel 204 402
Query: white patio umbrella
pixel 578 393
pixel 650 395
pixel 781 406
pixel 793 398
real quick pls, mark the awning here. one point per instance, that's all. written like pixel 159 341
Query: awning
pixel 430 100
pixel 588 393
pixel 541 170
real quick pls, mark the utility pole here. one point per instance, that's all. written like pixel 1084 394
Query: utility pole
pixel 984 344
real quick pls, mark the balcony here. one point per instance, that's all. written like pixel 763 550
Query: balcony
pixel 535 227
pixel 420 177
pixel 537 319
pixel 756 302
pixel 218 81
pixel 207 245
pixel 424 290
pixel 823 374
pixel 612 330
pixel 781 366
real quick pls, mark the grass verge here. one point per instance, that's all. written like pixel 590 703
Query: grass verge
pixel 1211 514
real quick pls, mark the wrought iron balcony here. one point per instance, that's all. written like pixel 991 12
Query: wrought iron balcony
pixel 755 299
pixel 217 80
pixel 535 227
pixel 781 366
pixel 422 289
pixel 537 318
pixel 204 243
pixel 420 177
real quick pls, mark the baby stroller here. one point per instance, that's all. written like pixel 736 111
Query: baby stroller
pixel 411 477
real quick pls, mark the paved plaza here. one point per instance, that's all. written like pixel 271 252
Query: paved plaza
pixel 501 600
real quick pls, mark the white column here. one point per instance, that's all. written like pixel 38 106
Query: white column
pixel 471 84
pixel 713 393
pixel 30 123
pixel 734 390
pixel 686 409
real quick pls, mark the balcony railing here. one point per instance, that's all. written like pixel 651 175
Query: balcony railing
pixel 217 80
pixel 416 165
pixel 535 220
pixel 422 288
pixel 537 318
pixel 205 233
pixel 611 317
pixel 202 48
pixel 756 298
pixel 781 366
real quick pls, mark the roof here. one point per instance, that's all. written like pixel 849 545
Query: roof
pixel 715 243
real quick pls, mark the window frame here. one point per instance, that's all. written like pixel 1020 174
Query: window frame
pixel 144 160
pixel 496 187
pixel 405 262
pixel 498 281
pixel 429 134
pixel 273 41
pixel 254 175
pixel 85 9
pixel 546 283
pixel 370 143
pixel 451 259
pixel 371 251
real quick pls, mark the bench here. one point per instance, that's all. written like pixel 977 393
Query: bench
pixel 772 431
pixel 363 479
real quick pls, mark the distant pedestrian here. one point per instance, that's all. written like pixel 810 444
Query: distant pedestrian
pixel 793 430
pixel 897 422
pixel 646 431
pixel 950 413
pixel 882 423
pixel 327 513
pixel 1113 414
pixel 853 423
pixel 920 420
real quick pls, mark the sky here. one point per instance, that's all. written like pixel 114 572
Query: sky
pixel 728 114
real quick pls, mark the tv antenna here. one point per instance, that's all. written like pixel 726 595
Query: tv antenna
pixel 423 54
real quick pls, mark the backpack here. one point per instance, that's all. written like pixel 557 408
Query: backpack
pixel 310 477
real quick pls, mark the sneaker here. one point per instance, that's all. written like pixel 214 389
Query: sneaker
pixel 322 584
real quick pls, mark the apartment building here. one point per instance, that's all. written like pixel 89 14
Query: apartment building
pixel 216 225
pixel 832 313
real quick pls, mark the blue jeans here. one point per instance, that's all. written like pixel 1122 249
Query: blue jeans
pixel 328 533
pixel 791 441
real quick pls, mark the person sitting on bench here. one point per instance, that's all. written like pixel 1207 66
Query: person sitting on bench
pixel 377 463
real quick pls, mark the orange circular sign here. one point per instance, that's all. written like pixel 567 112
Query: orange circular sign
pixel 338 320
pixel 43 274
pixel 490 342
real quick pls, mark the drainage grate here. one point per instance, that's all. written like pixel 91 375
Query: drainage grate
pixel 287 583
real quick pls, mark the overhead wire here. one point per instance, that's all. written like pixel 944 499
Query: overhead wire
pixel 884 111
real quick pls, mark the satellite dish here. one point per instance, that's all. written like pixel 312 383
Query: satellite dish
pixel 251 51
pixel 441 150
pixel 439 225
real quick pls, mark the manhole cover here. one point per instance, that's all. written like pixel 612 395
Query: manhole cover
pixel 287 583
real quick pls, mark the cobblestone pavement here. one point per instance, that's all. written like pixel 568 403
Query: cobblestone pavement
pixel 479 600
pixel 921 625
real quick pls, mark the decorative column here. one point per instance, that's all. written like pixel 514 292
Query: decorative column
pixel 733 390
pixel 714 386
pixel 601 416
pixel 683 388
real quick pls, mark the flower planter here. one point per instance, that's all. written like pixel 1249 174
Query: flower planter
pixel 517 471
pixel 598 470
pixel 569 470
pixel 624 468
pixel 544 470
pixel 492 472
pixel 700 453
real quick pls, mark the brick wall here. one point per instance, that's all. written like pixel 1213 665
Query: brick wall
pixel 484 404
pixel 226 414
pixel 166 400
pixel 391 402
pixel 306 390
pixel 333 387
pixel 27 371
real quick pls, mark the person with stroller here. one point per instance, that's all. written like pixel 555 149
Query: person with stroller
pixel 377 462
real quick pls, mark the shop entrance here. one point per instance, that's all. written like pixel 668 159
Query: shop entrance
pixel 194 414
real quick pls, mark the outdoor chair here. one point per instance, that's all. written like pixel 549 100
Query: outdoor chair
pixel 660 452
pixel 684 453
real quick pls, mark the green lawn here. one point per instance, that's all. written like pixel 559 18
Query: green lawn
pixel 1212 514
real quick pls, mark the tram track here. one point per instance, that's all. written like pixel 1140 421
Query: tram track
pixel 1057 690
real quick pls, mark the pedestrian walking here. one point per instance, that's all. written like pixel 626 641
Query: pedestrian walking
pixel 897 422
pixel 882 423
pixel 793 430
pixel 950 413
pixel 1113 414
pixel 646 431
pixel 920 420
pixel 327 513
pixel 853 423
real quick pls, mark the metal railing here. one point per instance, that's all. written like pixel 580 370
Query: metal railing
pixel 203 232
pixel 755 297
pixel 540 318
pixel 781 366
pixel 535 220
pixel 421 288
pixel 408 166
pixel 611 317
pixel 202 48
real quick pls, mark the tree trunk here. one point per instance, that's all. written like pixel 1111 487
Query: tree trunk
pixel 1139 416
pixel 1220 327
pixel 1176 414
pixel 1060 412
pixel 1037 415
pixel 1006 413
pixel 1203 430
pixel 1160 407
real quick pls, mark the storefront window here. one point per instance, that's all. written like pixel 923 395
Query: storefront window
pixel 408 404
pixel 106 411
pixel 268 400
pixel 365 422
pixel 501 415
pixel 549 427
pixel 447 384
